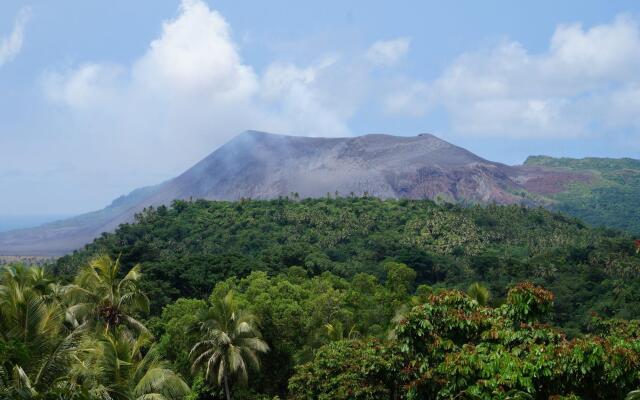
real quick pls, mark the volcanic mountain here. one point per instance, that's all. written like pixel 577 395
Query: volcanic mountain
pixel 264 166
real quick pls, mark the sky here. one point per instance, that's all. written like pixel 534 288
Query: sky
pixel 99 98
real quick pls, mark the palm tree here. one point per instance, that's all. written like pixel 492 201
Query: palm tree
pixel 45 352
pixel 118 366
pixel 44 370
pixel 18 278
pixel 229 341
pixel 103 299
pixel 33 321
pixel 479 293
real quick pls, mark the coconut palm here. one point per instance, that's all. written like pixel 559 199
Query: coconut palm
pixel 44 369
pixel 119 366
pixel 229 343
pixel 104 300
pixel 19 278
pixel 479 293
pixel 32 322
pixel 49 352
pixel 27 314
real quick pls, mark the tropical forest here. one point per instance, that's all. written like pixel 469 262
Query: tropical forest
pixel 319 200
pixel 340 298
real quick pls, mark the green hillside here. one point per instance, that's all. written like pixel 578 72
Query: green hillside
pixel 188 248
pixel 612 200
pixel 348 298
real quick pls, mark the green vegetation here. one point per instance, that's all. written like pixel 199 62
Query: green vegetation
pixel 352 298
pixel 185 250
pixel 229 343
pixel 612 199
pixel 441 343
pixel 479 293
pixel 121 366
pixel 47 353
pixel 451 347
pixel 104 300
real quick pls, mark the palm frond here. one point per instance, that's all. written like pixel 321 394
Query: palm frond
pixel 254 343
pixel 237 364
pixel 134 274
pixel 57 360
pixel 136 325
pixel 161 381
pixel 633 395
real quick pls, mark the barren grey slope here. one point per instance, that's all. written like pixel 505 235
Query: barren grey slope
pixel 262 166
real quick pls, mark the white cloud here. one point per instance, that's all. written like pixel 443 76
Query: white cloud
pixel 86 87
pixel 298 95
pixel 408 99
pixel 189 93
pixel 11 45
pixel 621 108
pixel 388 52
pixel 586 77
pixel 196 56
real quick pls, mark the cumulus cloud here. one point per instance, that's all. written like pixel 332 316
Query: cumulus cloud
pixel 388 52
pixel 11 45
pixel 191 92
pixel 587 77
pixel 196 56
pixel 298 97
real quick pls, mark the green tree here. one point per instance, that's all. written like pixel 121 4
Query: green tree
pixel 400 282
pixel 100 297
pixel 229 343
pixel 47 353
pixel 36 346
pixel 456 349
pixel 117 366
pixel 479 293
pixel 190 248
pixel 173 342
pixel 529 303
pixel 349 370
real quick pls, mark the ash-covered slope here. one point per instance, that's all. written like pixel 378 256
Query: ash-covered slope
pixel 61 237
pixel 262 166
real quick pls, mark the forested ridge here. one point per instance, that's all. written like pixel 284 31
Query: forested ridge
pixel 611 199
pixel 337 298
pixel 186 249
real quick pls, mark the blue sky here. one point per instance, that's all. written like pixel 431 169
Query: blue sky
pixel 98 98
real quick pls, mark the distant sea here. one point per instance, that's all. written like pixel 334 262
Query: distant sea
pixel 10 222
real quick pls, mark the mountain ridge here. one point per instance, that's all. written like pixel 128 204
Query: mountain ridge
pixel 612 197
pixel 263 165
